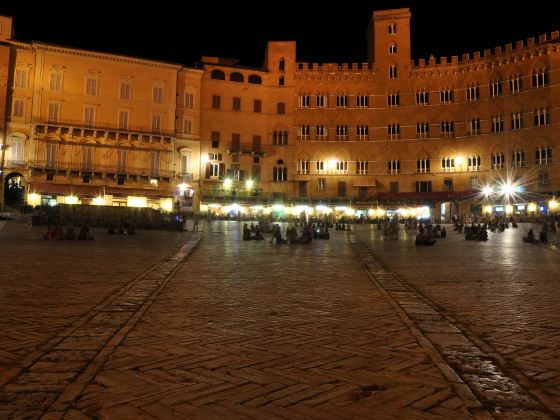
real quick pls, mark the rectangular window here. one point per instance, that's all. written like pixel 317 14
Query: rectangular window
pixel 516 121
pixel 158 94
pixel 280 108
pixel 187 126
pixel 341 167
pixel 342 189
pixel 362 101
pixel 303 132
pixel 257 105
pixel 473 163
pixel 497 124
pixel 51 155
pixel 156 123
pixel 495 88
pixel 215 136
pixel 154 163
pixel 256 144
pixel 303 101
pixel 56 82
pixel 122 160
pixel 423 186
pixel 321 132
pixel 303 167
pixel 394 187
pixel 87 158
pixel 394 166
pixel 235 142
pixel 186 158
pixel 448 184
pixel 342 101
pixel 125 91
pixel 322 101
pixel 498 161
pixel 422 130
pixel 362 167
pixel 446 96
pixel 189 100
pixel 236 106
pixel 321 184
pixel 474 183
pixel 474 126
pixel 448 165
pixel 89 116
pixel 362 132
pixel 19 108
pixel 124 117
pixel 320 167
pixel 515 84
pixel 216 101
pixel 20 80
pixel 422 98
pixel 91 86
pixel 423 166
pixel 54 112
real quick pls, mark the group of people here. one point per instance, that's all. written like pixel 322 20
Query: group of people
pixel 125 228
pixel 476 232
pixel 427 234
pixel 253 232
pixel 68 233
pixel 543 236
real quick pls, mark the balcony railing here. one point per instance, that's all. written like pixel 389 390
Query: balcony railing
pixel 81 125
pixel 100 168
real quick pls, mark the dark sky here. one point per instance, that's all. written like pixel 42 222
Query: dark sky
pixel 165 31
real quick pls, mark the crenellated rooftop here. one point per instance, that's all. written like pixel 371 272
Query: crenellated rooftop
pixel 468 58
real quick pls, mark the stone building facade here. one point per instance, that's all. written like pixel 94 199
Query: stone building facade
pixel 387 133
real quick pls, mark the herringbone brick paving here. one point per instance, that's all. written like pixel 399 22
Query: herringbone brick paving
pixel 249 329
pixel 255 330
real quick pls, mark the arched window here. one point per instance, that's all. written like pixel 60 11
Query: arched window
pixel 392 28
pixel 392 48
pixel 254 79
pixel 218 75
pixel 282 64
pixel 186 161
pixel 236 77
pixel 281 81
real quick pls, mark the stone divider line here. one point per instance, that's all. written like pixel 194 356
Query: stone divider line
pixel 478 374
pixel 66 364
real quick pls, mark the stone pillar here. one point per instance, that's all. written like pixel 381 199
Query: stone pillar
pixel 437 211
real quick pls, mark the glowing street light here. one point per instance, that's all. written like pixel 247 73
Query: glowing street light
pixel 249 184
pixel 228 183
pixel 488 209
pixel 507 189
pixel 531 207
pixel 553 205
pixel 487 190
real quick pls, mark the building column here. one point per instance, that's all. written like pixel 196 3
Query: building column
pixel 437 211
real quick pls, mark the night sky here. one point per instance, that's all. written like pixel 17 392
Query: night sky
pixel 326 34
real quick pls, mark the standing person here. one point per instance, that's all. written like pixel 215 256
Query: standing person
pixel 195 222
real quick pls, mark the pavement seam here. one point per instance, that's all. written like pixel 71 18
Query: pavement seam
pixel 523 382
pixel 60 406
pixel 460 387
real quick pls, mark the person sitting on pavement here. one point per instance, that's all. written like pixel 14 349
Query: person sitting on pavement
pixel 246 232
pixel 543 236
pixel 305 237
pixel 54 232
pixel 258 235
pixel 85 233
pixel 291 235
pixel 277 235
pixel 111 229
pixel 530 236
pixel 70 235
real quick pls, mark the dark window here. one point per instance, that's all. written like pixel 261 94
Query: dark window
pixel 215 139
pixel 120 180
pixel 394 187
pixel 236 104
pixel 257 144
pixel 254 79
pixel 282 64
pixel 85 179
pixel 257 105
pixel 280 108
pixel 236 77
pixel 50 176
pixel 235 141
pixel 423 186
pixel 448 184
pixel 218 75
pixel 281 80
pixel 216 101
pixel 362 193
pixel 342 189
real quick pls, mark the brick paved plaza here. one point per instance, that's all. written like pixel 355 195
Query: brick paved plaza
pixel 181 325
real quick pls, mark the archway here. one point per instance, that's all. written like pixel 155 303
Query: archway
pixel 14 189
